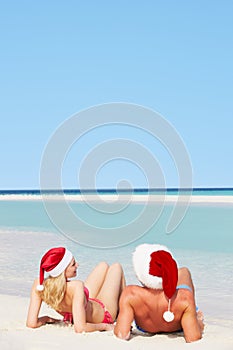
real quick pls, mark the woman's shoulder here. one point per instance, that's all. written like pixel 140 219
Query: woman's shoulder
pixel 76 284
pixel 75 288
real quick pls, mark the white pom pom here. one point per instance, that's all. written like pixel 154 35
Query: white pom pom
pixel 168 316
pixel 40 287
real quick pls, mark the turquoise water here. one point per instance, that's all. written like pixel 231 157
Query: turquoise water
pixel 206 227
pixel 203 241
pixel 203 228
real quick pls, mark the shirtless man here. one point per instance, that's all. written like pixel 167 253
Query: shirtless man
pixel 146 306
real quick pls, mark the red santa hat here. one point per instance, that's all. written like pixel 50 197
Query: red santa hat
pixel 155 268
pixel 54 262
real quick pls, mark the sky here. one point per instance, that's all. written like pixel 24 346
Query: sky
pixel 62 57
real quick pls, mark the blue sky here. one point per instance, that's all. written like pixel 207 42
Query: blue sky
pixel 60 57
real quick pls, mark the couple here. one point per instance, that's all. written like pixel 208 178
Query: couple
pixel 103 298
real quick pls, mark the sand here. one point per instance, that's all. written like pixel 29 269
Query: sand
pixel 15 335
pixel 134 198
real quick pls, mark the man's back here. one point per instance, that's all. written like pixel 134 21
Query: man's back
pixel 149 306
pixel 146 306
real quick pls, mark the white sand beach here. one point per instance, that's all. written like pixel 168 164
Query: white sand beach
pixel 15 335
pixel 135 198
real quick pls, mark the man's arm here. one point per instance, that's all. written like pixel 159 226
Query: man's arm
pixel 125 317
pixel 190 325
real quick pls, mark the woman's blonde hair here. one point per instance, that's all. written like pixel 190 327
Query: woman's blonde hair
pixel 54 291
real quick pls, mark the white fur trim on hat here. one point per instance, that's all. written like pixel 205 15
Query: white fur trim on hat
pixel 141 263
pixel 62 264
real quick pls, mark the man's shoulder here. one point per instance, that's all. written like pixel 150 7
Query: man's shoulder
pixel 185 301
pixel 130 291
pixel 135 292
pixel 133 296
pixel 185 296
pixel 132 288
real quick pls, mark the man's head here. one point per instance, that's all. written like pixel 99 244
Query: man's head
pixel 155 268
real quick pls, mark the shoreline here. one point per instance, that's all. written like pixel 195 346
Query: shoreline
pixel 135 198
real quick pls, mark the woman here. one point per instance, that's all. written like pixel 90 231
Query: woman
pixel 90 306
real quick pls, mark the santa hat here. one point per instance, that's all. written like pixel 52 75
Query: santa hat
pixel 155 268
pixel 54 262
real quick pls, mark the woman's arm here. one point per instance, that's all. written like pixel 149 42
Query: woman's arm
pixel 34 308
pixel 79 313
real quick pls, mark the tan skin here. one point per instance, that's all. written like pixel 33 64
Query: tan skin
pixel 104 283
pixel 146 306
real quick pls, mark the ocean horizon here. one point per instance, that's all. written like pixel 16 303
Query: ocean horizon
pixel 226 191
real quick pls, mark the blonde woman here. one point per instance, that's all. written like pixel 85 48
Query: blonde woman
pixel 90 306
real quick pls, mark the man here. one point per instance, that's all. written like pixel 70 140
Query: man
pixel 166 302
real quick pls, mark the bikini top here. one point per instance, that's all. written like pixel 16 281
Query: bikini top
pixel 86 292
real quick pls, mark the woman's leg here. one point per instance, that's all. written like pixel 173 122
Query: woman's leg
pixel 96 278
pixel 111 289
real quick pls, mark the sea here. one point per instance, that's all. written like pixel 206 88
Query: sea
pixel 107 225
